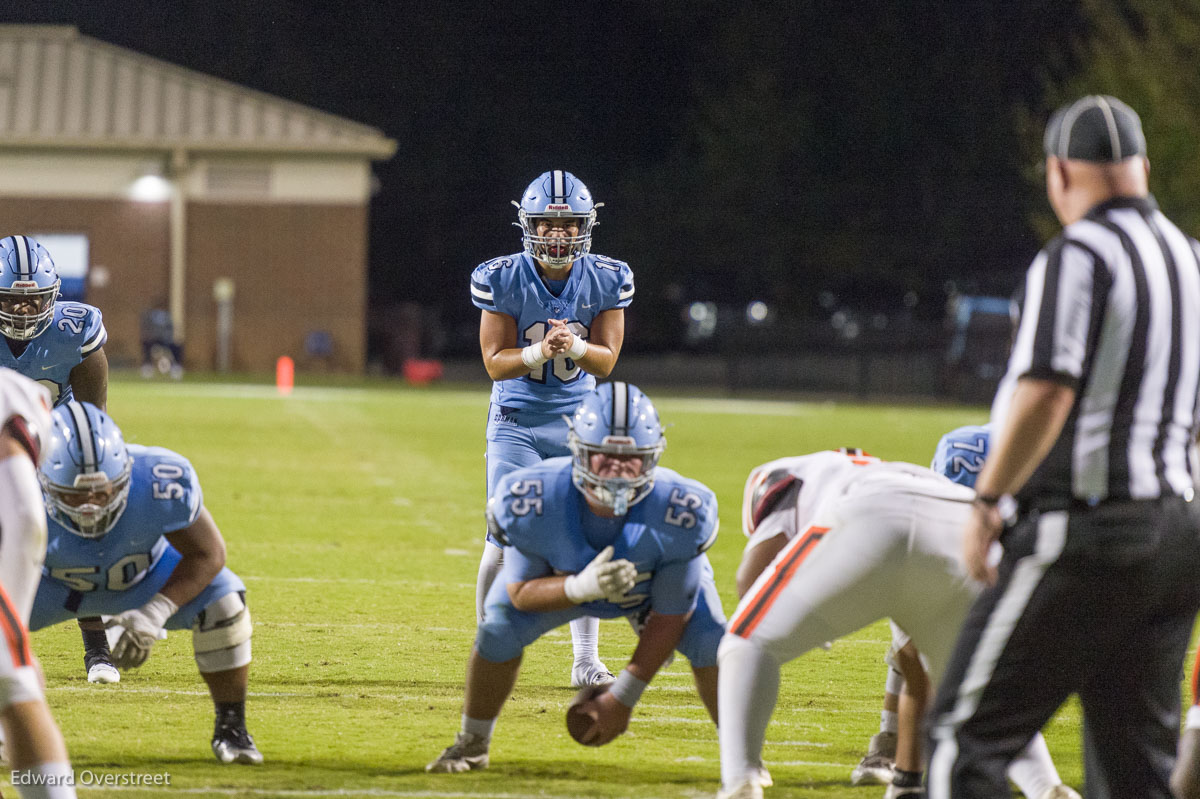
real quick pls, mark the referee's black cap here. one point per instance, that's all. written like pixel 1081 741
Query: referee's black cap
pixel 1096 128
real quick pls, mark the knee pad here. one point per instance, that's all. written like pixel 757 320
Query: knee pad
pixel 221 634
pixel 20 685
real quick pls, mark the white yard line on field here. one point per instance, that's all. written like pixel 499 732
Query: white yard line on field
pixel 738 407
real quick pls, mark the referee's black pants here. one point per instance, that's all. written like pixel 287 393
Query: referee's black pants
pixel 1094 601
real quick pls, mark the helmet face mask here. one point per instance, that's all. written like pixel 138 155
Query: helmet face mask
pixel 28 288
pixel 551 205
pixel 616 441
pixel 86 472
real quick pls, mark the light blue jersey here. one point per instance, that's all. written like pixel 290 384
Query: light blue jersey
pixel 124 568
pixel 512 285
pixel 547 529
pixel 76 331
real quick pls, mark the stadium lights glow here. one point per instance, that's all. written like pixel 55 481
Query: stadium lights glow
pixel 150 189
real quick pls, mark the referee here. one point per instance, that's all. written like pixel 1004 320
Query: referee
pixel 1099 582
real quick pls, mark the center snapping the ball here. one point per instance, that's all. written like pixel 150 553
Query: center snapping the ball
pixel 579 723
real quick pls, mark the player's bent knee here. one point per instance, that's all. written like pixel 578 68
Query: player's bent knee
pixel 22 685
pixel 497 641
pixel 221 634
pixel 701 649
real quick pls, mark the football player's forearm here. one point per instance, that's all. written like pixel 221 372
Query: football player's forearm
pixel 505 365
pixel 541 595
pixel 660 636
pixel 598 361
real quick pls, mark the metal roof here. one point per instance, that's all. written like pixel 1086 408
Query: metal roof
pixel 62 90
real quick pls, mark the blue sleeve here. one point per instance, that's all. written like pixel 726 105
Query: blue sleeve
pixel 175 491
pixel 519 566
pixel 616 278
pixel 675 586
pixel 625 291
pixel 94 334
pixel 482 294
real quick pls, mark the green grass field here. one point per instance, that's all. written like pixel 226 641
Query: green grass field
pixel 355 517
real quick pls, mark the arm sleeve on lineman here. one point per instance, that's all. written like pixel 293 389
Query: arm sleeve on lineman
pixel 1065 288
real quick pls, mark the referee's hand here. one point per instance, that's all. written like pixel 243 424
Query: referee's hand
pixel 983 530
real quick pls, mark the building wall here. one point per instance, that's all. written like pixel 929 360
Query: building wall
pixel 128 243
pixel 291 232
pixel 296 268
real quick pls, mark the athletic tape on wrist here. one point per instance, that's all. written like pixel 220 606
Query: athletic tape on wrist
pixel 532 355
pixel 578 348
pixel 627 689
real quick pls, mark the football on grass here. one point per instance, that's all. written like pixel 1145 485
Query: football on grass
pixel 578 721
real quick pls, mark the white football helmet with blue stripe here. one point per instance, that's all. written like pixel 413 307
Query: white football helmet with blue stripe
pixel 615 419
pixel 28 288
pixel 85 474
pixel 556 195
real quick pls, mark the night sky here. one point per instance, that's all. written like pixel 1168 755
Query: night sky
pixel 783 150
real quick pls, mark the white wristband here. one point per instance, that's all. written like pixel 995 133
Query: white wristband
pixel 627 689
pixel 159 609
pixel 532 355
pixel 578 349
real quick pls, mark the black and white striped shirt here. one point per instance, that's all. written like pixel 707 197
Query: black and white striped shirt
pixel 1112 308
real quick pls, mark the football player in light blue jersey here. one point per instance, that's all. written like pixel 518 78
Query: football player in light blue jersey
pixel 552 320
pixel 607 533
pixel 129 537
pixel 59 344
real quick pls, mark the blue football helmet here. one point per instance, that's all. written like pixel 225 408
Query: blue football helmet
pixel 615 419
pixel 28 288
pixel 85 473
pixel 556 195
pixel 960 453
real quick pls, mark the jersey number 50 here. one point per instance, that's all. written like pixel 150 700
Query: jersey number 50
pixel 121 575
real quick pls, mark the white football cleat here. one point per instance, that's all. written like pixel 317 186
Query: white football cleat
pixel 593 673
pixel 764 776
pixel 751 789
pixel 1061 792
pixel 467 753
pixel 101 670
pixel 876 766
pixel 893 792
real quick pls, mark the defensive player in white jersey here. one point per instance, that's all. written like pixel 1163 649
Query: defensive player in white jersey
pixel 34 748
pixel 129 537
pixel 59 344
pixel 609 533
pixel 552 320
pixel 877 540
pixel 959 455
